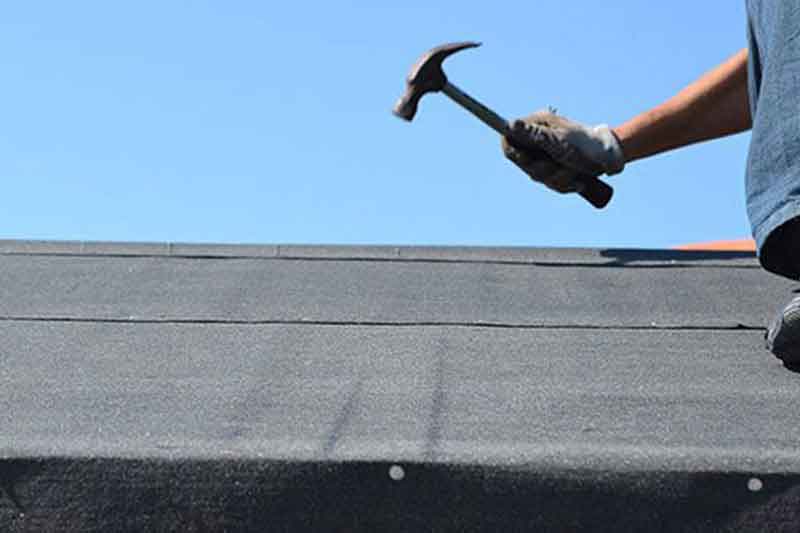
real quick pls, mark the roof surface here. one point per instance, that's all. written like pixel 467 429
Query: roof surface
pixel 542 361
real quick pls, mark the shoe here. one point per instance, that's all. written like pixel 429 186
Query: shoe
pixel 783 335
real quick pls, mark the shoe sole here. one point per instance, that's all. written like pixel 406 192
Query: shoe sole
pixel 783 336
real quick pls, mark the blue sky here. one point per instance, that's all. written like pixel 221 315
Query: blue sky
pixel 267 122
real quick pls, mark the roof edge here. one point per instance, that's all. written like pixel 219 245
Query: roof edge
pixel 480 254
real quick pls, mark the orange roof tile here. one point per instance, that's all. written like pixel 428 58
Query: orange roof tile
pixel 741 245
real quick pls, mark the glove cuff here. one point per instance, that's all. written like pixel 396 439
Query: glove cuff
pixel 613 157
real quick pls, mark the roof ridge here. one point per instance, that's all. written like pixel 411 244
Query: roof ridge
pixel 544 256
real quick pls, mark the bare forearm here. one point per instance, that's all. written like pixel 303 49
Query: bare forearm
pixel 714 106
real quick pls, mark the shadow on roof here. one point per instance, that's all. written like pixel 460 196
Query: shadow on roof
pixel 623 256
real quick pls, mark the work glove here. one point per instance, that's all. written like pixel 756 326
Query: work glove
pixel 572 150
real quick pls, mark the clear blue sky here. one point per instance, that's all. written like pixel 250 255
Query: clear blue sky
pixel 269 122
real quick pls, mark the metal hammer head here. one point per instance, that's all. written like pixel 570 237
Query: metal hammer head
pixel 426 76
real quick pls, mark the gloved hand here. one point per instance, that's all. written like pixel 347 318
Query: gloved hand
pixel 574 150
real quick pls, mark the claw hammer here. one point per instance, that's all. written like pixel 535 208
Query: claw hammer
pixel 427 76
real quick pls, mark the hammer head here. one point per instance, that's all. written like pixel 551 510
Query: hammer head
pixel 426 76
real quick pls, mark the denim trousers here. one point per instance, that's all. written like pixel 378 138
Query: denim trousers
pixel 773 162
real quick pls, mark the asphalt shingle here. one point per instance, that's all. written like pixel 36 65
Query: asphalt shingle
pixel 500 375
pixel 102 287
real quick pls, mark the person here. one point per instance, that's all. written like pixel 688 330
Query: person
pixel 757 88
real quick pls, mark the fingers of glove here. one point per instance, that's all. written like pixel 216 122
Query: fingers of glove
pixel 528 135
pixel 556 143
pixel 563 180
pixel 520 133
pixel 522 143
pixel 513 153
pixel 525 137
pixel 545 171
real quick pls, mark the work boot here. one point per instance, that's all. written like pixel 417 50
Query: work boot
pixel 783 335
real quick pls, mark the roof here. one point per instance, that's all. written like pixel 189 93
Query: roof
pixel 479 369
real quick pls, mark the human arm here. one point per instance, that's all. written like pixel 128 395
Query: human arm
pixel 714 106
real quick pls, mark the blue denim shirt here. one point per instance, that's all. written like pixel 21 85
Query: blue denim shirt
pixel 773 163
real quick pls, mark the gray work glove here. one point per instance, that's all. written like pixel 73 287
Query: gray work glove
pixel 574 150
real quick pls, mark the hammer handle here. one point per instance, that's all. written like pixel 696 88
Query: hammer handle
pixel 593 190
pixel 489 117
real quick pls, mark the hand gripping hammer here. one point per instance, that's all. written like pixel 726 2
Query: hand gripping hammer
pixel 427 76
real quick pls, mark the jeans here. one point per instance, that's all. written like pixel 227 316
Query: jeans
pixel 773 163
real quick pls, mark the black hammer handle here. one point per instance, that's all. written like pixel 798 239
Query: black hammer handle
pixel 593 190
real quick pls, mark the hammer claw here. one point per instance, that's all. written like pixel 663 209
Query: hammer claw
pixel 427 76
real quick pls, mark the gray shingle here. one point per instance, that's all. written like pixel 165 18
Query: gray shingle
pixel 367 291
pixel 277 384
pixel 604 399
